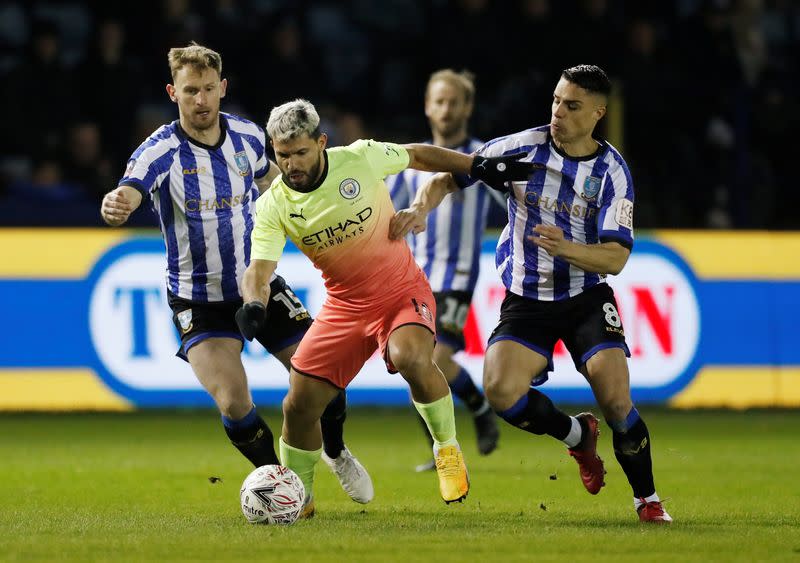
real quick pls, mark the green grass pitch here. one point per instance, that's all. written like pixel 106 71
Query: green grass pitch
pixel 94 487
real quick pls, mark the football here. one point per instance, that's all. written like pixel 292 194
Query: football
pixel 272 494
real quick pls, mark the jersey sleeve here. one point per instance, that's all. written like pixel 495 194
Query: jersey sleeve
pixel 145 169
pixel 383 158
pixel 615 220
pixel 398 190
pixel 464 181
pixel 268 237
pixel 262 162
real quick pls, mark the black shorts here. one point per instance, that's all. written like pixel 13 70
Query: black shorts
pixel 587 323
pixel 287 319
pixel 452 308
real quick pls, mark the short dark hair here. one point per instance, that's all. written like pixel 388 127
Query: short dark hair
pixel 591 78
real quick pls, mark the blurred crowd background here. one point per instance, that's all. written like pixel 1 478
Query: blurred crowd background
pixel 706 90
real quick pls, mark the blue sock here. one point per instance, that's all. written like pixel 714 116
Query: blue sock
pixel 465 389
pixel 622 426
pixel 252 437
pixel 515 413
pixel 534 412
pixel 631 440
pixel 249 420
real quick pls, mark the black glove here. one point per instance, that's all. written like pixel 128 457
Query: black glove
pixel 251 317
pixel 495 171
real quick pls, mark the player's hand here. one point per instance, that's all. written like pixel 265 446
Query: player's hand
pixel 496 171
pixel 406 221
pixel 116 208
pixel 251 317
pixel 549 237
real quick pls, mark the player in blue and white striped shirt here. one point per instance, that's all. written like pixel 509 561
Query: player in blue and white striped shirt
pixel 448 251
pixel 570 225
pixel 203 173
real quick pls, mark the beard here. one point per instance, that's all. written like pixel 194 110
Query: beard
pixel 203 123
pixel 449 128
pixel 307 180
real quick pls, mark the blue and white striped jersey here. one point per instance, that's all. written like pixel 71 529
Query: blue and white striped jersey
pixel 449 249
pixel 589 198
pixel 204 196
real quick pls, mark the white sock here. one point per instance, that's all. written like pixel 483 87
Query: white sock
pixel 575 434
pixel 637 502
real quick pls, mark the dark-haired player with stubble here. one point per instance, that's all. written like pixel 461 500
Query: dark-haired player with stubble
pixel 378 298
pixel 570 225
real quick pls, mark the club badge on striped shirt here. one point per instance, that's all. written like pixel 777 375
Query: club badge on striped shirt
pixel 242 163
pixel 591 187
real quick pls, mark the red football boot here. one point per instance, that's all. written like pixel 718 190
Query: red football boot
pixel 653 512
pixel 589 463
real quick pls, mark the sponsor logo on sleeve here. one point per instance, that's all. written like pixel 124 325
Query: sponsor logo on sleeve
pixel 390 150
pixel 624 215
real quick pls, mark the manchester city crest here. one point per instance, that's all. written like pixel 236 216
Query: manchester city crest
pixel 425 313
pixel 242 163
pixel 591 187
pixel 349 188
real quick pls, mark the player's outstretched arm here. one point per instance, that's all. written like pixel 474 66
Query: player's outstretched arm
pixel 431 158
pixel 495 171
pixel 118 204
pixel 428 197
pixel 255 290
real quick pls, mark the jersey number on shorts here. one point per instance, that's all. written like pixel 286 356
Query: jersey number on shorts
pixel 293 304
pixel 612 316
pixel 455 313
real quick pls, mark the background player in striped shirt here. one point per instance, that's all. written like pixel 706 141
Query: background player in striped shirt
pixel 569 226
pixel 203 173
pixel 334 205
pixel 448 251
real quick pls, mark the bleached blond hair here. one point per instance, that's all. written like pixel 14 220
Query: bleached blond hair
pixel 293 119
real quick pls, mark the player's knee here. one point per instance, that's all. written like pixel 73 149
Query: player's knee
pixel 499 391
pixel 233 404
pixel 293 407
pixel 233 401
pixel 411 362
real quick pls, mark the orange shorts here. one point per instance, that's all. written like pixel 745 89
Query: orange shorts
pixel 344 336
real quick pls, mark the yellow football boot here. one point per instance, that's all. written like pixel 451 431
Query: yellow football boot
pixel 453 478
